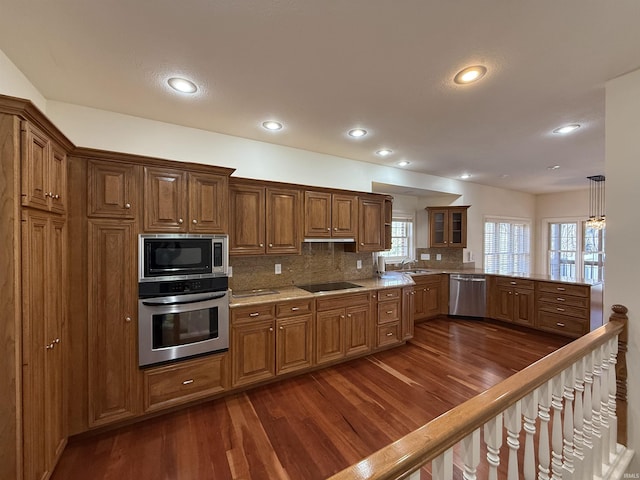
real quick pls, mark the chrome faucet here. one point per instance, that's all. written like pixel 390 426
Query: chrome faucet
pixel 406 262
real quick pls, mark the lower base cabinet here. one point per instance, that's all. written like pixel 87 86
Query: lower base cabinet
pixel 427 297
pixel 388 308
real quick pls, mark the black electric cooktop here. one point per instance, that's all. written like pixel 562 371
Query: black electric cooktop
pixel 327 287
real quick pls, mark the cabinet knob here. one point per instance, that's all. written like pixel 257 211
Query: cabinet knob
pixel 510 293
pixel 188 382
pixel 180 221
pixel 127 319
pixel 328 229
pixel 47 194
pixel 445 241
pixel 281 327
pixel 335 229
pixel 271 245
pixel 361 243
pixel 413 293
pixel 341 316
pixel 428 289
pixel 57 340
pixel 127 206
pixel 56 196
pixel 262 244
pixel 50 346
pixel 517 294
pixel 194 221
pixel 349 315
pixel 271 329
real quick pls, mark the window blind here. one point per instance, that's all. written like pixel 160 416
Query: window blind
pixel 507 246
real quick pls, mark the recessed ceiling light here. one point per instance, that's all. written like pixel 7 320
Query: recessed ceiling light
pixel 182 85
pixel 357 132
pixel 464 176
pixel 384 152
pixel 403 163
pixel 553 167
pixel 567 129
pixel 470 74
pixel 272 125
pixel 504 175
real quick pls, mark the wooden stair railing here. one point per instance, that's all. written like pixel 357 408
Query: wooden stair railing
pixel 577 385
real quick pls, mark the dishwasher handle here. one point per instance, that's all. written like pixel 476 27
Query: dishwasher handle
pixel 468 279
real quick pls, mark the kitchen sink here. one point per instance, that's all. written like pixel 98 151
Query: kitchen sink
pixel 254 293
pixel 416 271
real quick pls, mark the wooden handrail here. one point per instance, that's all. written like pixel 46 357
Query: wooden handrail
pixel 432 439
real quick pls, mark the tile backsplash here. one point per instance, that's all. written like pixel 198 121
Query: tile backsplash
pixel 318 263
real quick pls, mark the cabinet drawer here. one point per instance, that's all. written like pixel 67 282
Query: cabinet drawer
pixel 189 380
pixel 560 299
pixel 388 294
pixel 252 313
pixel 293 308
pixel 427 279
pixel 572 327
pixel 514 282
pixel 342 301
pixel 388 312
pixel 388 334
pixel 564 288
pixel 564 310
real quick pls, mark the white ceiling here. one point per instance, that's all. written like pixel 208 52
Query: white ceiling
pixel 325 66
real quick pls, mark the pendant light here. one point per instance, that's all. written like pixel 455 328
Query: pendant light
pixel 596 202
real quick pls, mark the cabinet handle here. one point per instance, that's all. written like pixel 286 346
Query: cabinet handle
pixel 188 382
pixel 389 294
pixel 560 289
pixel 560 309
pixel 560 324
pixel 560 299
pixel 295 309
pixel 127 206
pixel 254 314
pixel 127 319
pixel 513 283
pixel 180 221
pixel 390 334
pixel 389 312
pixel 194 221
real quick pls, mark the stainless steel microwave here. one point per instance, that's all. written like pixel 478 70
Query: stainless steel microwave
pixel 164 257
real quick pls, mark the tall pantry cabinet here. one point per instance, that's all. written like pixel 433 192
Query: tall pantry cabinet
pixel 33 338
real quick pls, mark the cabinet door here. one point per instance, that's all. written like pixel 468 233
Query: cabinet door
pixel 371 223
pixel 165 200
pixel 247 225
pixel 58 180
pixel 358 330
pixel 284 221
pixel 208 209
pixel 344 216
pixel 317 214
pixel 112 334
pixel 503 306
pixel 113 190
pixel 438 227
pixel 36 151
pixel 420 302
pixel 253 346
pixel 330 341
pixel 523 311
pixel 457 227
pixel 408 296
pixel 432 299
pixel 294 343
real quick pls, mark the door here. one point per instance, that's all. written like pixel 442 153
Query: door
pixel 457 227
pixel 113 190
pixel 253 346
pixel 283 221
pixel 431 299
pixel 317 214
pixel 357 328
pixel 438 227
pixel 208 209
pixel 36 150
pixel 58 180
pixel 504 304
pixel 112 333
pixel 371 220
pixel 165 200
pixel 294 343
pixel 247 220
pixel 344 216
pixel 330 341
pixel 523 311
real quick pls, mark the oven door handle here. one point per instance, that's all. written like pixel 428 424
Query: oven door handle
pixel 175 300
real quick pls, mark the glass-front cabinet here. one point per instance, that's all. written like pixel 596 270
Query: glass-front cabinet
pixel 447 226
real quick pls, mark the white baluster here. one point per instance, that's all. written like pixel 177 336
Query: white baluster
pixel 567 443
pixel 529 412
pixel 513 423
pixel 587 471
pixel 596 418
pixel 442 466
pixel 415 475
pixel 493 439
pixel 471 455
pixel 578 421
pixel 604 404
pixel 543 446
pixel 557 384
pixel 613 418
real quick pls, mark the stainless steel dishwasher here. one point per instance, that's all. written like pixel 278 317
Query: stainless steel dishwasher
pixel 467 295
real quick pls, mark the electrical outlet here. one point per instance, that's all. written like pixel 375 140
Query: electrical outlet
pixel 438 256
pixel 425 256
pixel 358 264
pixel 230 271
pixel 278 269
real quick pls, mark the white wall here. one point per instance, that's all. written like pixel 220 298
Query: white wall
pixel 14 83
pixel 622 200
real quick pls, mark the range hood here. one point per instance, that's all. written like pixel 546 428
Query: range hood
pixel 329 240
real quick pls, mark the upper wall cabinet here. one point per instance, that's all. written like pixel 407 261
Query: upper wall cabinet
pixel 371 236
pixel 44 171
pixel 448 226
pixel 180 201
pixel 264 219
pixel 329 215
pixel 113 189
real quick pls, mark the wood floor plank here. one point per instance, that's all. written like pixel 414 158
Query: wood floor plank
pixel 311 426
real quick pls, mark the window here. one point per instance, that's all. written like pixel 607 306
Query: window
pixel 401 239
pixel 573 254
pixel 507 246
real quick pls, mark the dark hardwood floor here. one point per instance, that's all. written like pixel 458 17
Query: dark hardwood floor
pixel 311 426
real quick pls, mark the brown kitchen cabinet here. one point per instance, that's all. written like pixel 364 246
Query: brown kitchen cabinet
pixel 343 327
pixel 563 308
pixel 113 189
pixel 44 171
pixel 294 336
pixel 44 342
pixel 371 219
pixel 328 215
pixel 513 300
pixel 388 317
pixel 388 222
pixel 112 312
pixel 264 219
pixel 408 312
pixel 447 226
pixel 428 296
pixel 189 380
pixel 179 201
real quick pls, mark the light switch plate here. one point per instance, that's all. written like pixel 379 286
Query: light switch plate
pixel 358 264
pixel 425 256
pixel 438 256
pixel 278 268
